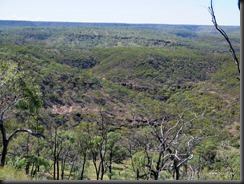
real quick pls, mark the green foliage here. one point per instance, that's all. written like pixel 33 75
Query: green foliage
pixel 139 160
pixel 126 76
pixel 34 160
pixel 227 163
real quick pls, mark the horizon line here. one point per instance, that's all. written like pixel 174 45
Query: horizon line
pixel 76 22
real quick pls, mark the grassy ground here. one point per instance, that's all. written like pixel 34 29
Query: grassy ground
pixel 8 173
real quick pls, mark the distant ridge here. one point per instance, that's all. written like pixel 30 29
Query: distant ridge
pixel 16 23
pixel 12 24
pixel 73 24
pixel 53 23
pixel 68 24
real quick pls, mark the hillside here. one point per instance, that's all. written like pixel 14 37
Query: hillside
pixel 108 92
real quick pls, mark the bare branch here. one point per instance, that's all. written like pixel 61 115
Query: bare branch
pixel 222 32
pixel 186 159
pixel 25 130
pixel 168 131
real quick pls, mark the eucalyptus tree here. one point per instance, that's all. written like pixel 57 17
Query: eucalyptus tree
pixel 115 150
pixel 84 133
pixel 17 93
pixel 98 145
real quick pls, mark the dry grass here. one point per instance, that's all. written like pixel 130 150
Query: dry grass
pixel 8 173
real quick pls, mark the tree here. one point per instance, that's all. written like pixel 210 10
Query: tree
pixel 98 145
pixel 223 33
pixel 84 133
pixel 60 145
pixel 115 152
pixel 174 148
pixel 164 149
pixel 15 95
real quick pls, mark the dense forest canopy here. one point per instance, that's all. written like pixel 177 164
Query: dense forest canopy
pixel 93 101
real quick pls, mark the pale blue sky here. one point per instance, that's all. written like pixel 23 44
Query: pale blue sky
pixel 121 11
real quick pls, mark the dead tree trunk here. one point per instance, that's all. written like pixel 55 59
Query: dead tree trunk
pixel 223 33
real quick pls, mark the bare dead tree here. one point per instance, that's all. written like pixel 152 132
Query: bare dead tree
pixel 172 153
pixel 165 147
pixel 223 33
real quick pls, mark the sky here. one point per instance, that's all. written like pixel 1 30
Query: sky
pixel 193 12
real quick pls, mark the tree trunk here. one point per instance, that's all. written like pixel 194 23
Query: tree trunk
pixel 54 168
pixel 102 165
pixel 38 166
pixel 177 170
pixel 62 169
pixel 32 169
pixel 83 168
pixel 110 164
pixel 57 169
pixel 55 155
pixel 156 175
pixel 95 165
pixel 137 174
pixel 5 144
pixel 4 153
pixel 27 167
